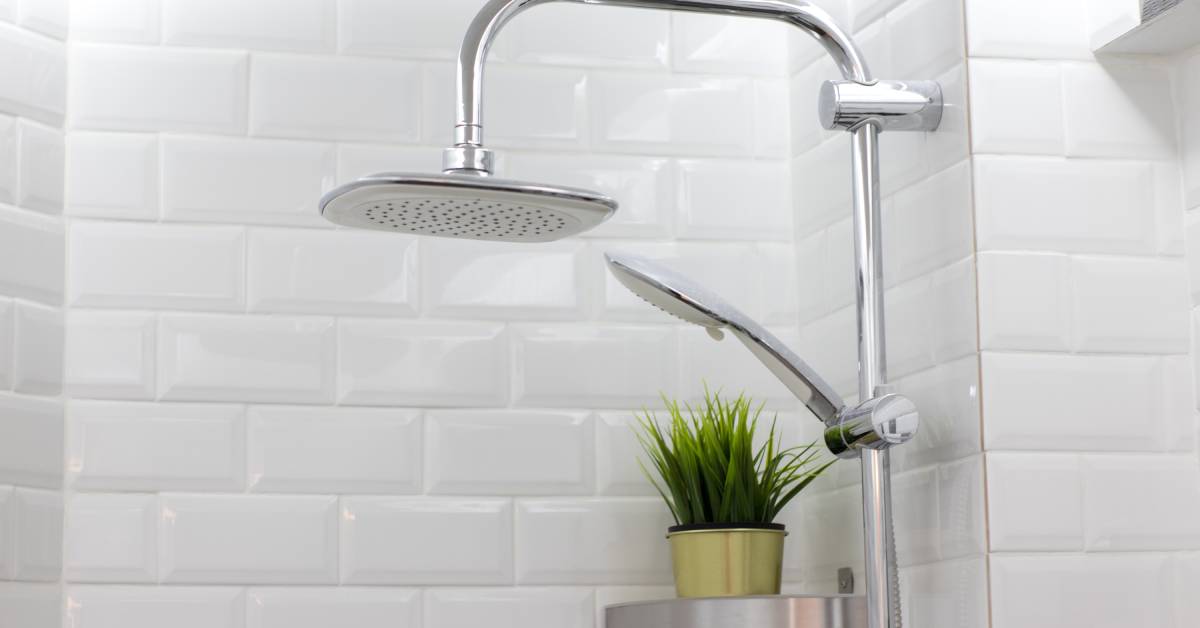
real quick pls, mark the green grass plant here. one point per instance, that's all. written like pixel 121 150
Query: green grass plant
pixel 708 468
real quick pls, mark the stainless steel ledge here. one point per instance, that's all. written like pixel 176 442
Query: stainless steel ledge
pixel 776 611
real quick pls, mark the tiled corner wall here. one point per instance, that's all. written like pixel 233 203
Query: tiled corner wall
pixel 929 267
pixel 32 105
pixel 1088 405
pixel 275 423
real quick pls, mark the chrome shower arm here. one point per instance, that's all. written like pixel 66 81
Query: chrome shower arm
pixel 469 154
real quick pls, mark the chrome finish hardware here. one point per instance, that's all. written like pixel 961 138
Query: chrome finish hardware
pixel 468 159
pixel 877 424
pixel 890 105
pixel 768 611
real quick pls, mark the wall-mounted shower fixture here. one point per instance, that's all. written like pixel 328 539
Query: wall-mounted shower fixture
pixel 465 202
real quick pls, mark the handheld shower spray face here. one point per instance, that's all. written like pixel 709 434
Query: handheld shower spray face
pixel 685 299
pixel 465 206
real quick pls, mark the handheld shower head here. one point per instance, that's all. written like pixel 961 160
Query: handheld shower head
pixel 681 297
pixel 465 206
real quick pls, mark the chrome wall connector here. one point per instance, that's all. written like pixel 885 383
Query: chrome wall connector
pixel 891 105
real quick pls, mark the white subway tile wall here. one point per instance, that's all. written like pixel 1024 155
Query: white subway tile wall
pixel 1089 420
pixel 32 327
pixel 259 401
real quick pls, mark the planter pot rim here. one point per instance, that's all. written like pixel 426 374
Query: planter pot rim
pixel 726 527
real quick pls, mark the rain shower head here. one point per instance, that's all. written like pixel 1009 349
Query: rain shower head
pixel 465 206
pixel 683 298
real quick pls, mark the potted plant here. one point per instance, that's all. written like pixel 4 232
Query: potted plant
pixel 724 489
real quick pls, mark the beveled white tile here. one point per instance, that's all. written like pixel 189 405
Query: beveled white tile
pixel 617 455
pixel 1035 502
pixel 496 280
pixel 122 264
pixel 1078 402
pixel 112 538
pixel 446 541
pixel 304 25
pixel 245 181
pixel 38 350
pixel 1068 205
pixel 509 453
pixel 10 160
pixel 127 21
pixel 827 344
pixel 999 31
pixel 332 272
pixel 1141 503
pixel 1188 91
pixel 320 607
pixel 37 535
pixel 333 450
pixel 962 519
pixel 558 121
pixel 734 200
pixel 403 29
pixel 385 94
pixel 153 447
pixel 48 17
pixel 773 118
pixel 231 539
pixel 422 363
pixel 926 37
pixel 36 71
pixel 1120 109
pixel 1025 301
pixel 948 593
pixel 729 368
pixel 522 607
pixel 722 44
pixel 1099 590
pixel 592 541
pixel 35 605
pixel 819 204
pixel 611 366
pixel 551 36
pixel 915 510
pixel 6 532
pixel 32 256
pixel 926 226
pixel 110 355
pixel 31 437
pixel 112 175
pixel 1008 112
pixel 244 358
pixel 643 186
pixel 42 155
pixel 112 606
pixel 8 309
pixel 157 89
pixel 948 398
pixel 1130 305
pixel 653 114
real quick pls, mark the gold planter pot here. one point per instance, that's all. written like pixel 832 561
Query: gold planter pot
pixel 715 561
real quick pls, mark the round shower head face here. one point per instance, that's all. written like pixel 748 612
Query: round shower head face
pixel 465 206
